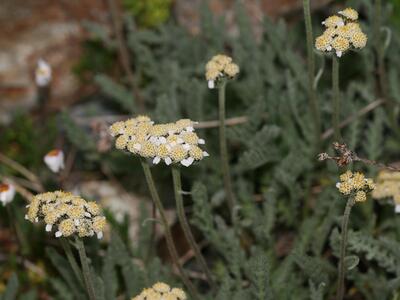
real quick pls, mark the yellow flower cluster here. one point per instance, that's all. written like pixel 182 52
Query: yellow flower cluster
pixel 388 186
pixel 161 291
pixel 219 67
pixel 70 214
pixel 172 142
pixel 356 184
pixel 342 33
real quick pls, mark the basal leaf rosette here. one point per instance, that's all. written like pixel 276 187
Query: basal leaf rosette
pixel 67 214
pixel 169 143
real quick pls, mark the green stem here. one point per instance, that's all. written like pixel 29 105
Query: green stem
pixel 176 175
pixel 312 95
pixel 168 235
pixel 71 259
pixel 87 276
pixel 335 98
pixel 224 149
pixel 343 243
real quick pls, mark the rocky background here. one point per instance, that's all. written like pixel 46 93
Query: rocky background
pixel 55 31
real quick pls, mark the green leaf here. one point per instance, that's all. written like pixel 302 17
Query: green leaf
pixel 116 92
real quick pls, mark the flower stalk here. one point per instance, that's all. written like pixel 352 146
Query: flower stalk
pixel 312 96
pixel 335 98
pixel 223 148
pixel 168 235
pixel 71 259
pixel 176 175
pixel 87 276
pixel 343 243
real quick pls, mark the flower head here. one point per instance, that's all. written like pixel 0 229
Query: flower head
pixel 55 160
pixel 388 187
pixel 355 184
pixel 341 34
pixel 349 13
pixel 7 193
pixel 69 214
pixel 161 291
pixel 172 142
pixel 220 67
pixel 42 73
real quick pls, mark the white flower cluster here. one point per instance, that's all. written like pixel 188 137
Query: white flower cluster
pixel 161 291
pixel 68 213
pixel 54 160
pixel 171 143
pixel 220 67
pixel 7 193
pixel 342 33
pixel 42 73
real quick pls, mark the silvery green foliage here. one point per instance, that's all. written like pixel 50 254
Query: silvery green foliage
pixel 285 240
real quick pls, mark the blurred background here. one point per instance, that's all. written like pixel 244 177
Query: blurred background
pixel 111 59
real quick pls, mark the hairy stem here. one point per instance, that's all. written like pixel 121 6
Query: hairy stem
pixel 343 243
pixel 176 175
pixel 312 95
pixel 335 98
pixel 87 276
pixel 71 259
pixel 224 149
pixel 168 235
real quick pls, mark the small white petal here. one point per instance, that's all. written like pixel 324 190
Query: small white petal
pixel 329 48
pixel 162 140
pixel 77 222
pixel 211 84
pixel 339 53
pixel 100 235
pixel 58 234
pixel 190 128
pixel 205 154
pixel 26 217
pixel 156 160
pixel 323 22
pixel 49 227
pixel 168 161
pixel 179 141
pixel 27 206
pixel 340 24
pixel 338 184
pixel 137 147
pixel 36 219
pixel 186 147
pixel 397 208
pixel 187 161
pixel 88 215
pixel 201 141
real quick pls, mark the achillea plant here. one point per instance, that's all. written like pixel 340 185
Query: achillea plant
pixel 342 33
pixel 219 70
pixel 72 216
pixel 174 143
pixel 355 187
